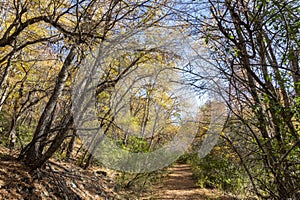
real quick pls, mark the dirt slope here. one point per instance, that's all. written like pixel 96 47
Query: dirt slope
pixel 59 180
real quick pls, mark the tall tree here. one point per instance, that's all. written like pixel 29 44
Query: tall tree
pixel 255 47
pixel 46 41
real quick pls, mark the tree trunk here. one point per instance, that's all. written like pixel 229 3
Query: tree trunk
pixel 12 135
pixel 58 140
pixel 71 146
pixel 32 153
pixel 3 84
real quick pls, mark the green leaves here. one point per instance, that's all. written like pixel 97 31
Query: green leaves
pixel 135 144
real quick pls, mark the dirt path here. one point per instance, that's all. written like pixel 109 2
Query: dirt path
pixel 180 185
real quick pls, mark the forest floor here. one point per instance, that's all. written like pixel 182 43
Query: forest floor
pixel 58 180
pixel 180 184
pixel 65 180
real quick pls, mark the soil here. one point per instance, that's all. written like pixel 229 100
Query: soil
pixel 180 184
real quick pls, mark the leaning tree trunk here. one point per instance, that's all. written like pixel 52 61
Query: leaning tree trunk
pixel 58 140
pixel 32 153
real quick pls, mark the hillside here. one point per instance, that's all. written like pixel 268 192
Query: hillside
pixel 58 180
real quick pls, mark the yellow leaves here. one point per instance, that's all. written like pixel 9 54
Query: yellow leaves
pixel 4 51
pixel 222 133
pixel 217 148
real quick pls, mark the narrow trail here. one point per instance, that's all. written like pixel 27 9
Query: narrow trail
pixel 180 184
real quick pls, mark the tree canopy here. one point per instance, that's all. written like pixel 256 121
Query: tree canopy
pixel 151 58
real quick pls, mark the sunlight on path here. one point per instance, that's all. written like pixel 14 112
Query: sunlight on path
pixel 180 185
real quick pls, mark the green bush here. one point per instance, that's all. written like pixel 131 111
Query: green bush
pixel 218 170
pixel 135 144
